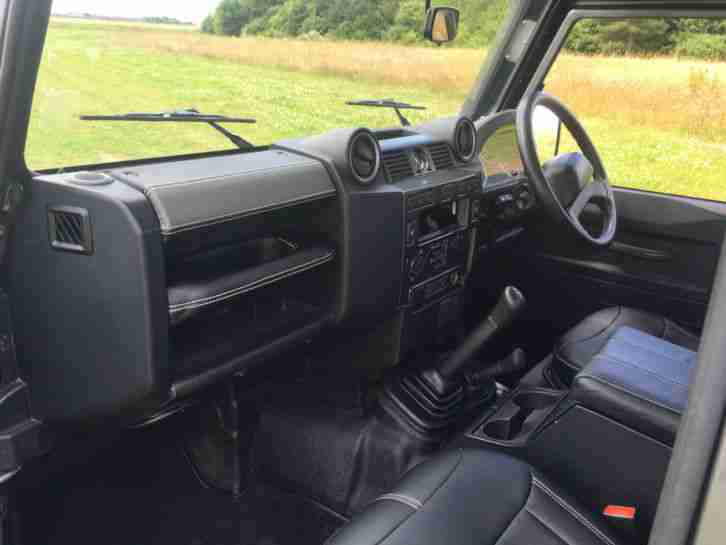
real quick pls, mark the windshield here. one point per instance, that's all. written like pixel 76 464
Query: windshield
pixel 290 64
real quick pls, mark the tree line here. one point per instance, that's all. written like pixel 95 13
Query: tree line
pixel 401 21
pixel 390 20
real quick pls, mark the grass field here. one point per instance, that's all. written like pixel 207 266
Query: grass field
pixel 659 123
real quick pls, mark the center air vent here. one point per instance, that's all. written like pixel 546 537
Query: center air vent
pixel 465 139
pixel 69 229
pixel 364 157
pixel 397 165
pixel 441 154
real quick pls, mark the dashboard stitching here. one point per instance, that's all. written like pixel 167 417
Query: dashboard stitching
pixel 197 303
pixel 246 213
pixel 156 187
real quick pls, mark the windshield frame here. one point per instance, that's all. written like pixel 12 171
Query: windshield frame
pixel 485 96
pixel 489 93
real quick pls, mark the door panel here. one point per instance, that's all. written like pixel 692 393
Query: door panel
pixel 663 261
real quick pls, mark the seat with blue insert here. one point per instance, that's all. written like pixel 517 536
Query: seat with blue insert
pixel 638 376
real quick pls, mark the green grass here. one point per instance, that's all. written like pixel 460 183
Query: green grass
pixel 100 68
pixel 81 75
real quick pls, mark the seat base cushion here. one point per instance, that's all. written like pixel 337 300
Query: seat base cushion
pixel 640 381
pixel 473 497
pixel 574 350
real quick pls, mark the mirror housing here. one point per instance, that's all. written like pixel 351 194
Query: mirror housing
pixel 442 25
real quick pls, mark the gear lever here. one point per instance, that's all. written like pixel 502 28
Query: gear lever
pixel 448 374
pixel 510 305
pixel 432 400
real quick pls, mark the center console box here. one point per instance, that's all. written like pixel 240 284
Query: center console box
pixel 597 458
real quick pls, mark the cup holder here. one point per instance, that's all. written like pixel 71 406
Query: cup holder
pixel 503 430
pixel 520 416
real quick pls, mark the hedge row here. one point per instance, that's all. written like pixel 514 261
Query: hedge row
pixel 402 20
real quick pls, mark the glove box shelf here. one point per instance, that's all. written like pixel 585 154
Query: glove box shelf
pixel 219 275
pixel 232 306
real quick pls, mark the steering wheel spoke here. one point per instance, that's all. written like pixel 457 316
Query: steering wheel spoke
pixel 595 190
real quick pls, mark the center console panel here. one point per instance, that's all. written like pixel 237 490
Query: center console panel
pixel 440 235
pixel 600 460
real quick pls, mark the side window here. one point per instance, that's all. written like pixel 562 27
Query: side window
pixel 652 95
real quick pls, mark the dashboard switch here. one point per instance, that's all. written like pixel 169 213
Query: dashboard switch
pixel 505 199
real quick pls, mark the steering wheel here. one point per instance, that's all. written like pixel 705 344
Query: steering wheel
pixel 566 184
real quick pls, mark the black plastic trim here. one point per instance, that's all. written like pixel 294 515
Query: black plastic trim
pixel 254 357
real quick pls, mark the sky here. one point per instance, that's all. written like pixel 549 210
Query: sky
pixel 185 10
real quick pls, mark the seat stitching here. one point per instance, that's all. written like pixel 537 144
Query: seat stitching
pixel 401 498
pixel 641 397
pixel 545 525
pixel 655 375
pixel 390 533
pixel 408 517
pixel 572 511
pixel 559 348
pixel 446 479
pixel 599 332
pixel 524 506
pixel 665 329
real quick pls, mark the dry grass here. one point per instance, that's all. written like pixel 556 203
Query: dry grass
pixel 684 96
pixel 435 68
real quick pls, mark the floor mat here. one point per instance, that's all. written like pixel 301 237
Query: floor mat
pixel 142 492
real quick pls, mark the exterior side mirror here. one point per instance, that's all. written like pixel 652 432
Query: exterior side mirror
pixel 442 25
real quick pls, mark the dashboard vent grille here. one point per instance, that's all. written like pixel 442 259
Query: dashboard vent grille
pixel 441 154
pixel 69 229
pixel 397 165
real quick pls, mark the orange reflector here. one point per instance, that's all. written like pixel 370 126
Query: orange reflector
pixel 619 512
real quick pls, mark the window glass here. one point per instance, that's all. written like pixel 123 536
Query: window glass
pixel 652 95
pixel 292 64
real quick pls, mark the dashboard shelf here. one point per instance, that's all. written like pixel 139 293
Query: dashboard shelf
pixel 216 276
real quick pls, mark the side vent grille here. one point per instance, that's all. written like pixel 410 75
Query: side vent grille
pixel 397 166
pixel 441 154
pixel 69 229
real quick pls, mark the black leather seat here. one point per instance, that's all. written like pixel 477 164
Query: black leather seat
pixel 574 350
pixel 473 497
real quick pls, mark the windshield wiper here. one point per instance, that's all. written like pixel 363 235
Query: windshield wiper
pixel 388 103
pixel 180 116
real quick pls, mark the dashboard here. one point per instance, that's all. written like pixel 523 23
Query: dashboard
pixel 500 152
pixel 188 270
